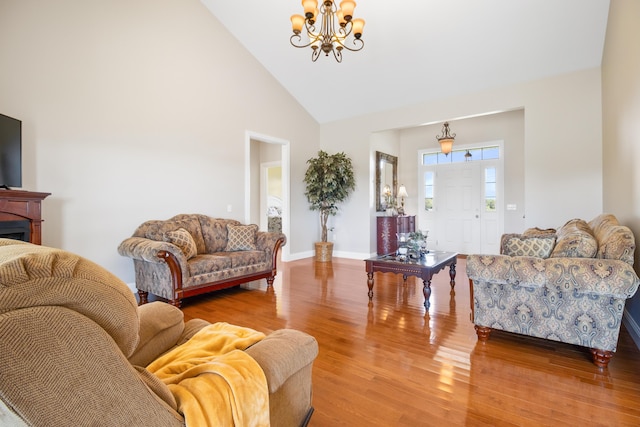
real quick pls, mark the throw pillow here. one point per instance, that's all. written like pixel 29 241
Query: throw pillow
pixel 241 238
pixel 182 239
pixel 575 240
pixel 534 246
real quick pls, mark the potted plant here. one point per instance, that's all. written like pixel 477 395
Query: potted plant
pixel 329 180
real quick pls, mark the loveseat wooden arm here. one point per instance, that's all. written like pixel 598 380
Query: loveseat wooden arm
pixel 163 257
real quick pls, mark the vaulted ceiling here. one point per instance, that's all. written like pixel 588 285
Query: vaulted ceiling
pixel 421 50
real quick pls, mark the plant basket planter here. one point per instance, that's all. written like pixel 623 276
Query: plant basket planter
pixel 324 251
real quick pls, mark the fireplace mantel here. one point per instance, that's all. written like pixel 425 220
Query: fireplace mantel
pixel 17 205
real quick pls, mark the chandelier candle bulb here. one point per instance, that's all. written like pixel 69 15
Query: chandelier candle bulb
pixel 358 25
pixel 297 22
pixel 347 7
pixel 310 8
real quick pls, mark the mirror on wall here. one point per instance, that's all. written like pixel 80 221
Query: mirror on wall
pixel 386 181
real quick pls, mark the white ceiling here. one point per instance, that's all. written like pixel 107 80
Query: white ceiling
pixel 421 50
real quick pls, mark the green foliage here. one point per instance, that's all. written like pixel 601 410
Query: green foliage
pixel 329 181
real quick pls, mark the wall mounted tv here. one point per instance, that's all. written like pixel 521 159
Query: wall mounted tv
pixel 10 152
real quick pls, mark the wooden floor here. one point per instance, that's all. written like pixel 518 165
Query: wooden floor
pixel 392 364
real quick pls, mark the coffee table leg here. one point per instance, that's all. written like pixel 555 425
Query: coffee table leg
pixel 426 290
pixel 370 284
pixel 452 275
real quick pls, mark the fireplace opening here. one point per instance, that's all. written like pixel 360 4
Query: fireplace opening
pixel 16 230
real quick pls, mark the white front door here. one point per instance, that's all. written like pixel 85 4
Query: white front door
pixel 462 207
pixel 458 208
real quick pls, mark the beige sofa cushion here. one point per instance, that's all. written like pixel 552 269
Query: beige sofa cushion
pixel 575 240
pixel 161 326
pixel 34 276
pixel 535 231
pixel 617 242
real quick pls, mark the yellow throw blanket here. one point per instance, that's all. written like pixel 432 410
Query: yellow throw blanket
pixel 214 382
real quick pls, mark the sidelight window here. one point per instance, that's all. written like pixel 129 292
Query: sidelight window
pixel 428 191
pixel 490 189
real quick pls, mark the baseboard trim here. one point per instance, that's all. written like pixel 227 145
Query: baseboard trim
pixel 632 327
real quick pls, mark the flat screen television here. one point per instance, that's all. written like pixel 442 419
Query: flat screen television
pixel 10 152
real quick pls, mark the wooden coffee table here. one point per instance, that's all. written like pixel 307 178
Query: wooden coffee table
pixel 424 268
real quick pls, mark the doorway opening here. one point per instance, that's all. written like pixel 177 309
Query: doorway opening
pixel 263 152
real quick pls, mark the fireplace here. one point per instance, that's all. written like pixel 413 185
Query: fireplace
pixel 20 215
pixel 17 230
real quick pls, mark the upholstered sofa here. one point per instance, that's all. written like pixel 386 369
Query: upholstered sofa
pixel 77 350
pixel 191 254
pixel 568 285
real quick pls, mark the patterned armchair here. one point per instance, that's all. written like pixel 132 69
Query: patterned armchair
pixel 569 286
pixel 191 254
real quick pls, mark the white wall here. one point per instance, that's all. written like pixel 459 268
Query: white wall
pixel 137 110
pixel 621 123
pixel 562 147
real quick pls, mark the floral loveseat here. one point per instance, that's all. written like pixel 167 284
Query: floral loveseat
pixel 569 286
pixel 191 254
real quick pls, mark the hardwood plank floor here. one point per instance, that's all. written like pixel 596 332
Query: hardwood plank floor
pixel 392 364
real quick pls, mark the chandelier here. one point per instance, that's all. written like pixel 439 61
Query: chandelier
pixel 336 25
pixel 446 140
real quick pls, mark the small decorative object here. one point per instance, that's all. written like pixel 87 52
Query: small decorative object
pixel 402 193
pixel 329 180
pixel 417 244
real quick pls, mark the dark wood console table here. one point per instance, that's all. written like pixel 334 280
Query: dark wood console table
pixel 388 228
pixel 19 205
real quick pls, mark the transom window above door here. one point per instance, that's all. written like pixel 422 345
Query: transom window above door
pixel 457 156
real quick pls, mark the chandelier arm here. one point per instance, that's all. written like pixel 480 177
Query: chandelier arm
pixel 337 54
pixel 297 36
pixel 343 34
pixel 355 49
pixel 315 54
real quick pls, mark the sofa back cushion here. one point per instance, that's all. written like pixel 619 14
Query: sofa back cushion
pixel 521 245
pixel 599 223
pixel 575 240
pixel 214 232
pixel 617 242
pixel 38 276
pixel 157 229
